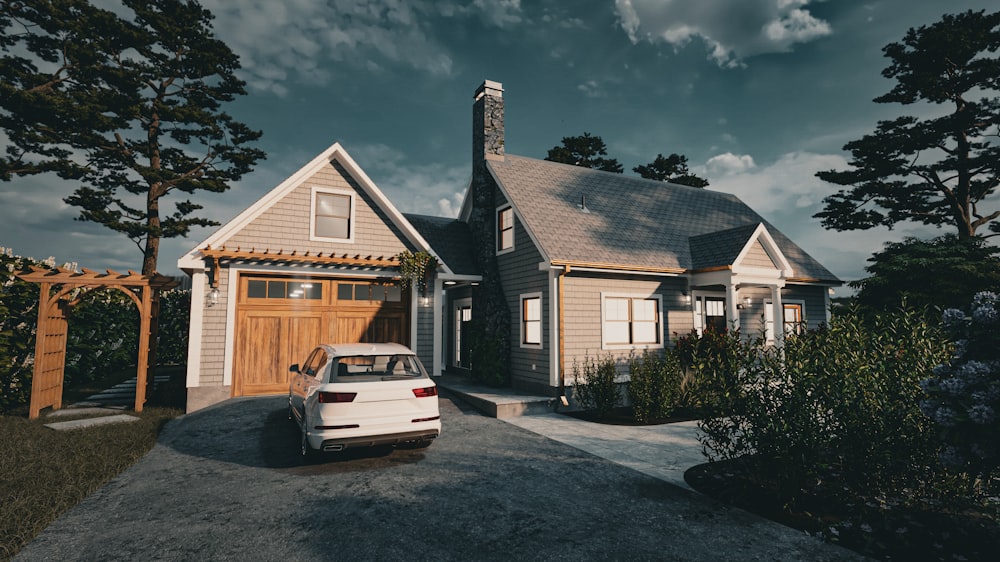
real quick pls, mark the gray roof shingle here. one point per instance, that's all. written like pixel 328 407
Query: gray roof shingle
pixel 450 238
pixel 633 221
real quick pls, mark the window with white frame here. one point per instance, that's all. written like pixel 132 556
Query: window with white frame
pixel 332 216
pixel 505 229
pixel 710 312
pixel 531 320
pixel 794 318
pixel 631 321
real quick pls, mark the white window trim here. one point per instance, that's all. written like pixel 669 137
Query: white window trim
pixel 541 323
pixel 312 214
pixel 513 229
pixel 769 316
pixel 698 311
pixel 457 305
pixel 633 346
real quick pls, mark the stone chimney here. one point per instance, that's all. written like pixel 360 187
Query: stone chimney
pixel 487 124
pixel 490 313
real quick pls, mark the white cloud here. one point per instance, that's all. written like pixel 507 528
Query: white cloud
pixel 297 40
pixel 730 31
pixel 790 182
pixel 728 164
pixel 424 188
pixel 787 193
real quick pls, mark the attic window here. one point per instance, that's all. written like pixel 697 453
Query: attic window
pixel 332 216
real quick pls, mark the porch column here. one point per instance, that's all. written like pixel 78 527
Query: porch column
pixel 778 313
pixel 732 313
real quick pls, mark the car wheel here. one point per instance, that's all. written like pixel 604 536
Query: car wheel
pixel 305 450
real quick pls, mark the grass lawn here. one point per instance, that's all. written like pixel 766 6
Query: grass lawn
pixel 46 472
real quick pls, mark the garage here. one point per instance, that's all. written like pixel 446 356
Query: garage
pixel 279 319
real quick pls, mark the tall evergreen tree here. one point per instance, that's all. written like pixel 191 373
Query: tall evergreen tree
pixel 939 170
pixel 673 169
pixel 131 107
pixel 585 150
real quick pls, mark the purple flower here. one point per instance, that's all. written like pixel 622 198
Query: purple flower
pixel 953 385
pixel 985 314
pixel 951 457
pixel 981 414
pixel 952 318
pixel 985 297
pixel 945 416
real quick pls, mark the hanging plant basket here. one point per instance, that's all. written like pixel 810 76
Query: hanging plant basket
pixel 415 268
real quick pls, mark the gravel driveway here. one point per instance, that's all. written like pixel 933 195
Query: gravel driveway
pixel 226 483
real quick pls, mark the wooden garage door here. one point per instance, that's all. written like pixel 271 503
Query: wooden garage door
pixel 280 319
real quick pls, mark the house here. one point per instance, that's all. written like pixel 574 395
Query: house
pixel 561 262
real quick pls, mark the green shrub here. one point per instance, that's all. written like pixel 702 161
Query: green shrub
pixel 103 335
pixel 654 385
pixel 175 313
pixel 838 402
pixel 595 387
pixel 710 363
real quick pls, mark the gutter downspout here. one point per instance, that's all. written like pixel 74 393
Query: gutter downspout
pixel 562 354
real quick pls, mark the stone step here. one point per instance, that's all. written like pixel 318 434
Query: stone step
pixel 91 422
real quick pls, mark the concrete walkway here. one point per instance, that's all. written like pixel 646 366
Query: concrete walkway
pixel 664 451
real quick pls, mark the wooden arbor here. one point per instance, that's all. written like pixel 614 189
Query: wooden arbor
pixel 61 290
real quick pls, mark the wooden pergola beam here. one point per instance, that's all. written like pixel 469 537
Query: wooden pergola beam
pixel 319 258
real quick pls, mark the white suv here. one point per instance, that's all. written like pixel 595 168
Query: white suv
pixel 362 395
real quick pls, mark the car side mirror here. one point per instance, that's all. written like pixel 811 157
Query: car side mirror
pixel 294 368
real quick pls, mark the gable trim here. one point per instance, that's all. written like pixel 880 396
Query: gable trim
pixel 193 259
pixel 782 267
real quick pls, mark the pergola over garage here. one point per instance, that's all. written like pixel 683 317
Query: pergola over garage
pixel 60 291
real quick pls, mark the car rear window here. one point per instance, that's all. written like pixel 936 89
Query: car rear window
pixel 362 368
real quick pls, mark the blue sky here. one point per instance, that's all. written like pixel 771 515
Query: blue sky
pixel 758 94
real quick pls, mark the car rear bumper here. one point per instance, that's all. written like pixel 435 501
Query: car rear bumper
pixel 341 443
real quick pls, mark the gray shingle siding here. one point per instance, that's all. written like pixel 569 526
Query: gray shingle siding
pixel 582 320
pixel 519 274
pixel 285 225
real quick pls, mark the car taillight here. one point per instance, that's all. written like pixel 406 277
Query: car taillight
pixel 335 397
pixel 425 392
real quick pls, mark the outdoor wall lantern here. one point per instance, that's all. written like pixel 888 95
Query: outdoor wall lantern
pixel 747 301
pixel 425 301
pixel 685 297
pixel 213 296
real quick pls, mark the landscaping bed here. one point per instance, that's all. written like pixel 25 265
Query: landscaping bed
pixel 883 530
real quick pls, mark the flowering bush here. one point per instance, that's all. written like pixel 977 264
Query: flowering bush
pixel 18 317
pixel 963 394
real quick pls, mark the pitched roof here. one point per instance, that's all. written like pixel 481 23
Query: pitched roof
pixel 584 215
pixel 719 248
pixel 450 238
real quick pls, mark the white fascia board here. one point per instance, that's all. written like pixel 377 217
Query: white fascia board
pixel 772 249
pixel 518 214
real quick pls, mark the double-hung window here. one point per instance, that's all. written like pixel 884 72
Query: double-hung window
pixel 332 216
pixel 531 320
pixel 631 321
pixel 505 229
